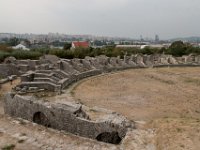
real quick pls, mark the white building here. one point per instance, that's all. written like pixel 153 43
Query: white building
pixel 158 46
pixel 20 46
pixel 128 46
pixel 143 46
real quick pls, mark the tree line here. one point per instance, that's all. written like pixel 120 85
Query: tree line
pixel 177 49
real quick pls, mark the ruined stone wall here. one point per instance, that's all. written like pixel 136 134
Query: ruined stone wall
pixel 58 116
pixel 88 74
pixel 55 76
pixel 7 70
pixel 65 72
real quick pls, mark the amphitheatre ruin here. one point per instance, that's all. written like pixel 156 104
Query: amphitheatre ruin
pixel 88 97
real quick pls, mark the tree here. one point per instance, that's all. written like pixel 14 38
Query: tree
pixel 178 48
pixel 13 41
pixel 67 46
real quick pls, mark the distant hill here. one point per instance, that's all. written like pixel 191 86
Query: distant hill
pixel 188 39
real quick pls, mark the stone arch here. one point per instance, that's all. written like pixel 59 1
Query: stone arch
pixel 41 118
pixel 109 137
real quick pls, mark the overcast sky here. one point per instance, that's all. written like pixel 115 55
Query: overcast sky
pixel 123 18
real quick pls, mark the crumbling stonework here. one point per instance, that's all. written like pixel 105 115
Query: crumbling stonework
pixel 70 118
pixel 7 70
pixel 54 74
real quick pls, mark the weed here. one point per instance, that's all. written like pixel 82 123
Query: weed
pixel 178 129
pixel 192 80
pixel 182 145
pixel 9 147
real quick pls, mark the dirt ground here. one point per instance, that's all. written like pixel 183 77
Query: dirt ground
pixel 167 99
pixel 164 102
pixel 18 134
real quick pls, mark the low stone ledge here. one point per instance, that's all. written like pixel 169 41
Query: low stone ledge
pixel 41 85
pixel 45 80
pixel 5 80
pixel 88 74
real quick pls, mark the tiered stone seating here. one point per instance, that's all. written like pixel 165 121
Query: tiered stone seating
pixel 56 76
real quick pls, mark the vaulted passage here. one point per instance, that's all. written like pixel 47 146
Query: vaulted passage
pixel 41 119
pixel 109 137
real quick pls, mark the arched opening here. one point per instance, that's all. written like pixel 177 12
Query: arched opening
pixel 109 137
pixel 41 119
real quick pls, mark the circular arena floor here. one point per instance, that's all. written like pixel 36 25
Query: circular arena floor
pixel 145 94
pixel 166 101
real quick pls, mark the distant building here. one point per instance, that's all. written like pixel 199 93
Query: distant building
pixel 56 47
pixel 80 45
pixel 20 46
pixel 128 46
pixel 158 46
pixel 157 38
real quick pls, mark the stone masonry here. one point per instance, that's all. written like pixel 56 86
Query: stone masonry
pixel 56 74
pixel 51 73
pixel 70 118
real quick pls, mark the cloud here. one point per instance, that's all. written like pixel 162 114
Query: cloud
pixel 168 18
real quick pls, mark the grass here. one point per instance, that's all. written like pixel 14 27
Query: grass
pixel 9 147
pixel 160 80
pixel 179 129
pixel 193 81
pixel 183 146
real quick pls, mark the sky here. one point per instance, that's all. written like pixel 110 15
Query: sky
pixel 121 18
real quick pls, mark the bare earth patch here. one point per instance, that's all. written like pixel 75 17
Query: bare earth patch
pixel 168 99
pixel 164 102
pixel 20 134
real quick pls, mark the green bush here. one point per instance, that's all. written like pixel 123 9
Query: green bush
pixel 41 50
pixel 9 147
pixel 3 55
pixel 21 54
pixel 177 48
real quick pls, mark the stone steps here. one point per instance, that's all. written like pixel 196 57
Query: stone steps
pixel 43 75
pixel 65 72
pixel 41 85
pixel 45 80
pixel 62 73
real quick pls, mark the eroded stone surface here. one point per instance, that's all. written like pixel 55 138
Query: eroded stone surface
pixel 54 74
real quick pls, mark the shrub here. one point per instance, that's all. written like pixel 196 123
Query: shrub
pixel 9 147
pixel 3 55
pixel 41 50
pixel 21 54
pixel 5 48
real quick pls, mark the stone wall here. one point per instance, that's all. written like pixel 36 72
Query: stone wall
pixel 70 118
pixel 54 74
pixel 7 70
pixel 60 73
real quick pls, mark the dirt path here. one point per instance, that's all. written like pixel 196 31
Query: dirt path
pixel 28 135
